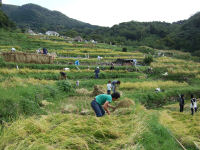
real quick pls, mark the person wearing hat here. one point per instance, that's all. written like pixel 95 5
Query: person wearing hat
pixel 97 71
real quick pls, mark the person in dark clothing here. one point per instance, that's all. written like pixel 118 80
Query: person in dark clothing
pixel 114 85
pixel 63 75
pixel 112 67
pixel 181 102
pixel 97 71
pixel 45 51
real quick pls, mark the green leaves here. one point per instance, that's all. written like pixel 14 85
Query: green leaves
pixel 64 85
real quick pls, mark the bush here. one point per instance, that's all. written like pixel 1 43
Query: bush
pixel 65 85
pixel 29 107
pixel 8 109
pixel 196 53
pixel 148 59
pixel 124 49
pixel 147 50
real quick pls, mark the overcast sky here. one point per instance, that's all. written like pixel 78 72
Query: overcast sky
pixel 110 12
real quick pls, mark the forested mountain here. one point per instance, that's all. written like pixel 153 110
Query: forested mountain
pixel 41 19
pixel 5 22
pixel 180 35
pixel 188 35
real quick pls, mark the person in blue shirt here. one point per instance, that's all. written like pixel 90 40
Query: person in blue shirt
pixel 77 62
pixel 101 103
pixel 45 51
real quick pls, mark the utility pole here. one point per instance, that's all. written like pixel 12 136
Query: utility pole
pixel 0 3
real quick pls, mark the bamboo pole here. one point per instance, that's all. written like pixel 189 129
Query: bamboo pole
pixel 197 146
pixel 177 140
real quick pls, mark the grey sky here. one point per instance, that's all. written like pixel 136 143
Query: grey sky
pixel 110 12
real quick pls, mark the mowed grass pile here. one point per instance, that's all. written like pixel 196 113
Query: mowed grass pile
pixel 183 125
pixel 132 129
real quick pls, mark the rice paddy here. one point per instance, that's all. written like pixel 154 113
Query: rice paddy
pixel 39 111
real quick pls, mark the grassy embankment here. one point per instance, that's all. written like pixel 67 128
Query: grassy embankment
pixel 32 125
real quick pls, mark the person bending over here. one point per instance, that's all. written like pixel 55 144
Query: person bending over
pixel 101 103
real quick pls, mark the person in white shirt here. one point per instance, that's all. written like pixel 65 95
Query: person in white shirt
pixel 109 87
pixel 193 104
pixel 13 49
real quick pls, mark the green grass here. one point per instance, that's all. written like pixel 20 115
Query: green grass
pixel 29 124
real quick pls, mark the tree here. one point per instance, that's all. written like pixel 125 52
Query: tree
pixel 124 49
pixel 148 59
pixel 71 33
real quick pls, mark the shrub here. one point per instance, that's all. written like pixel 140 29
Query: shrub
pixel 124 49
pixel 29 107
pixel 148 59
pixel 147 50
pixel 8 109
pixel 64 85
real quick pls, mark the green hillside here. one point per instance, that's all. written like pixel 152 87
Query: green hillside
pixel 41 19
pixel 181 35
pixel 188 35
pixel 5 22
pixel 38 110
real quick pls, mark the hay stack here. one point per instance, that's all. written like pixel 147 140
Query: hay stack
pixel 45 103
pixel 126 103
pixel 86 112
pixel 97 90
pixel 83 91
pixel 69 109
pixel 27 58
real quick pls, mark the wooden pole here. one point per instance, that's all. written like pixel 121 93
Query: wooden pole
pixel 177 140
pixel 197 146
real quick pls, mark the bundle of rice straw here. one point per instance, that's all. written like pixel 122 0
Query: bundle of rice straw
pixel 69 109
pixel 97 90
pixel 83 91
pixel 126 103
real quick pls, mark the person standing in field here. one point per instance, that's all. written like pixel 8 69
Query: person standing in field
pixel 103 100
pixel 193 104
pixel 114 85
pixel 181 102
pixel 109 87
pixel 112 66
pixel 77 83
pixel 45 51
pixel 97 71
